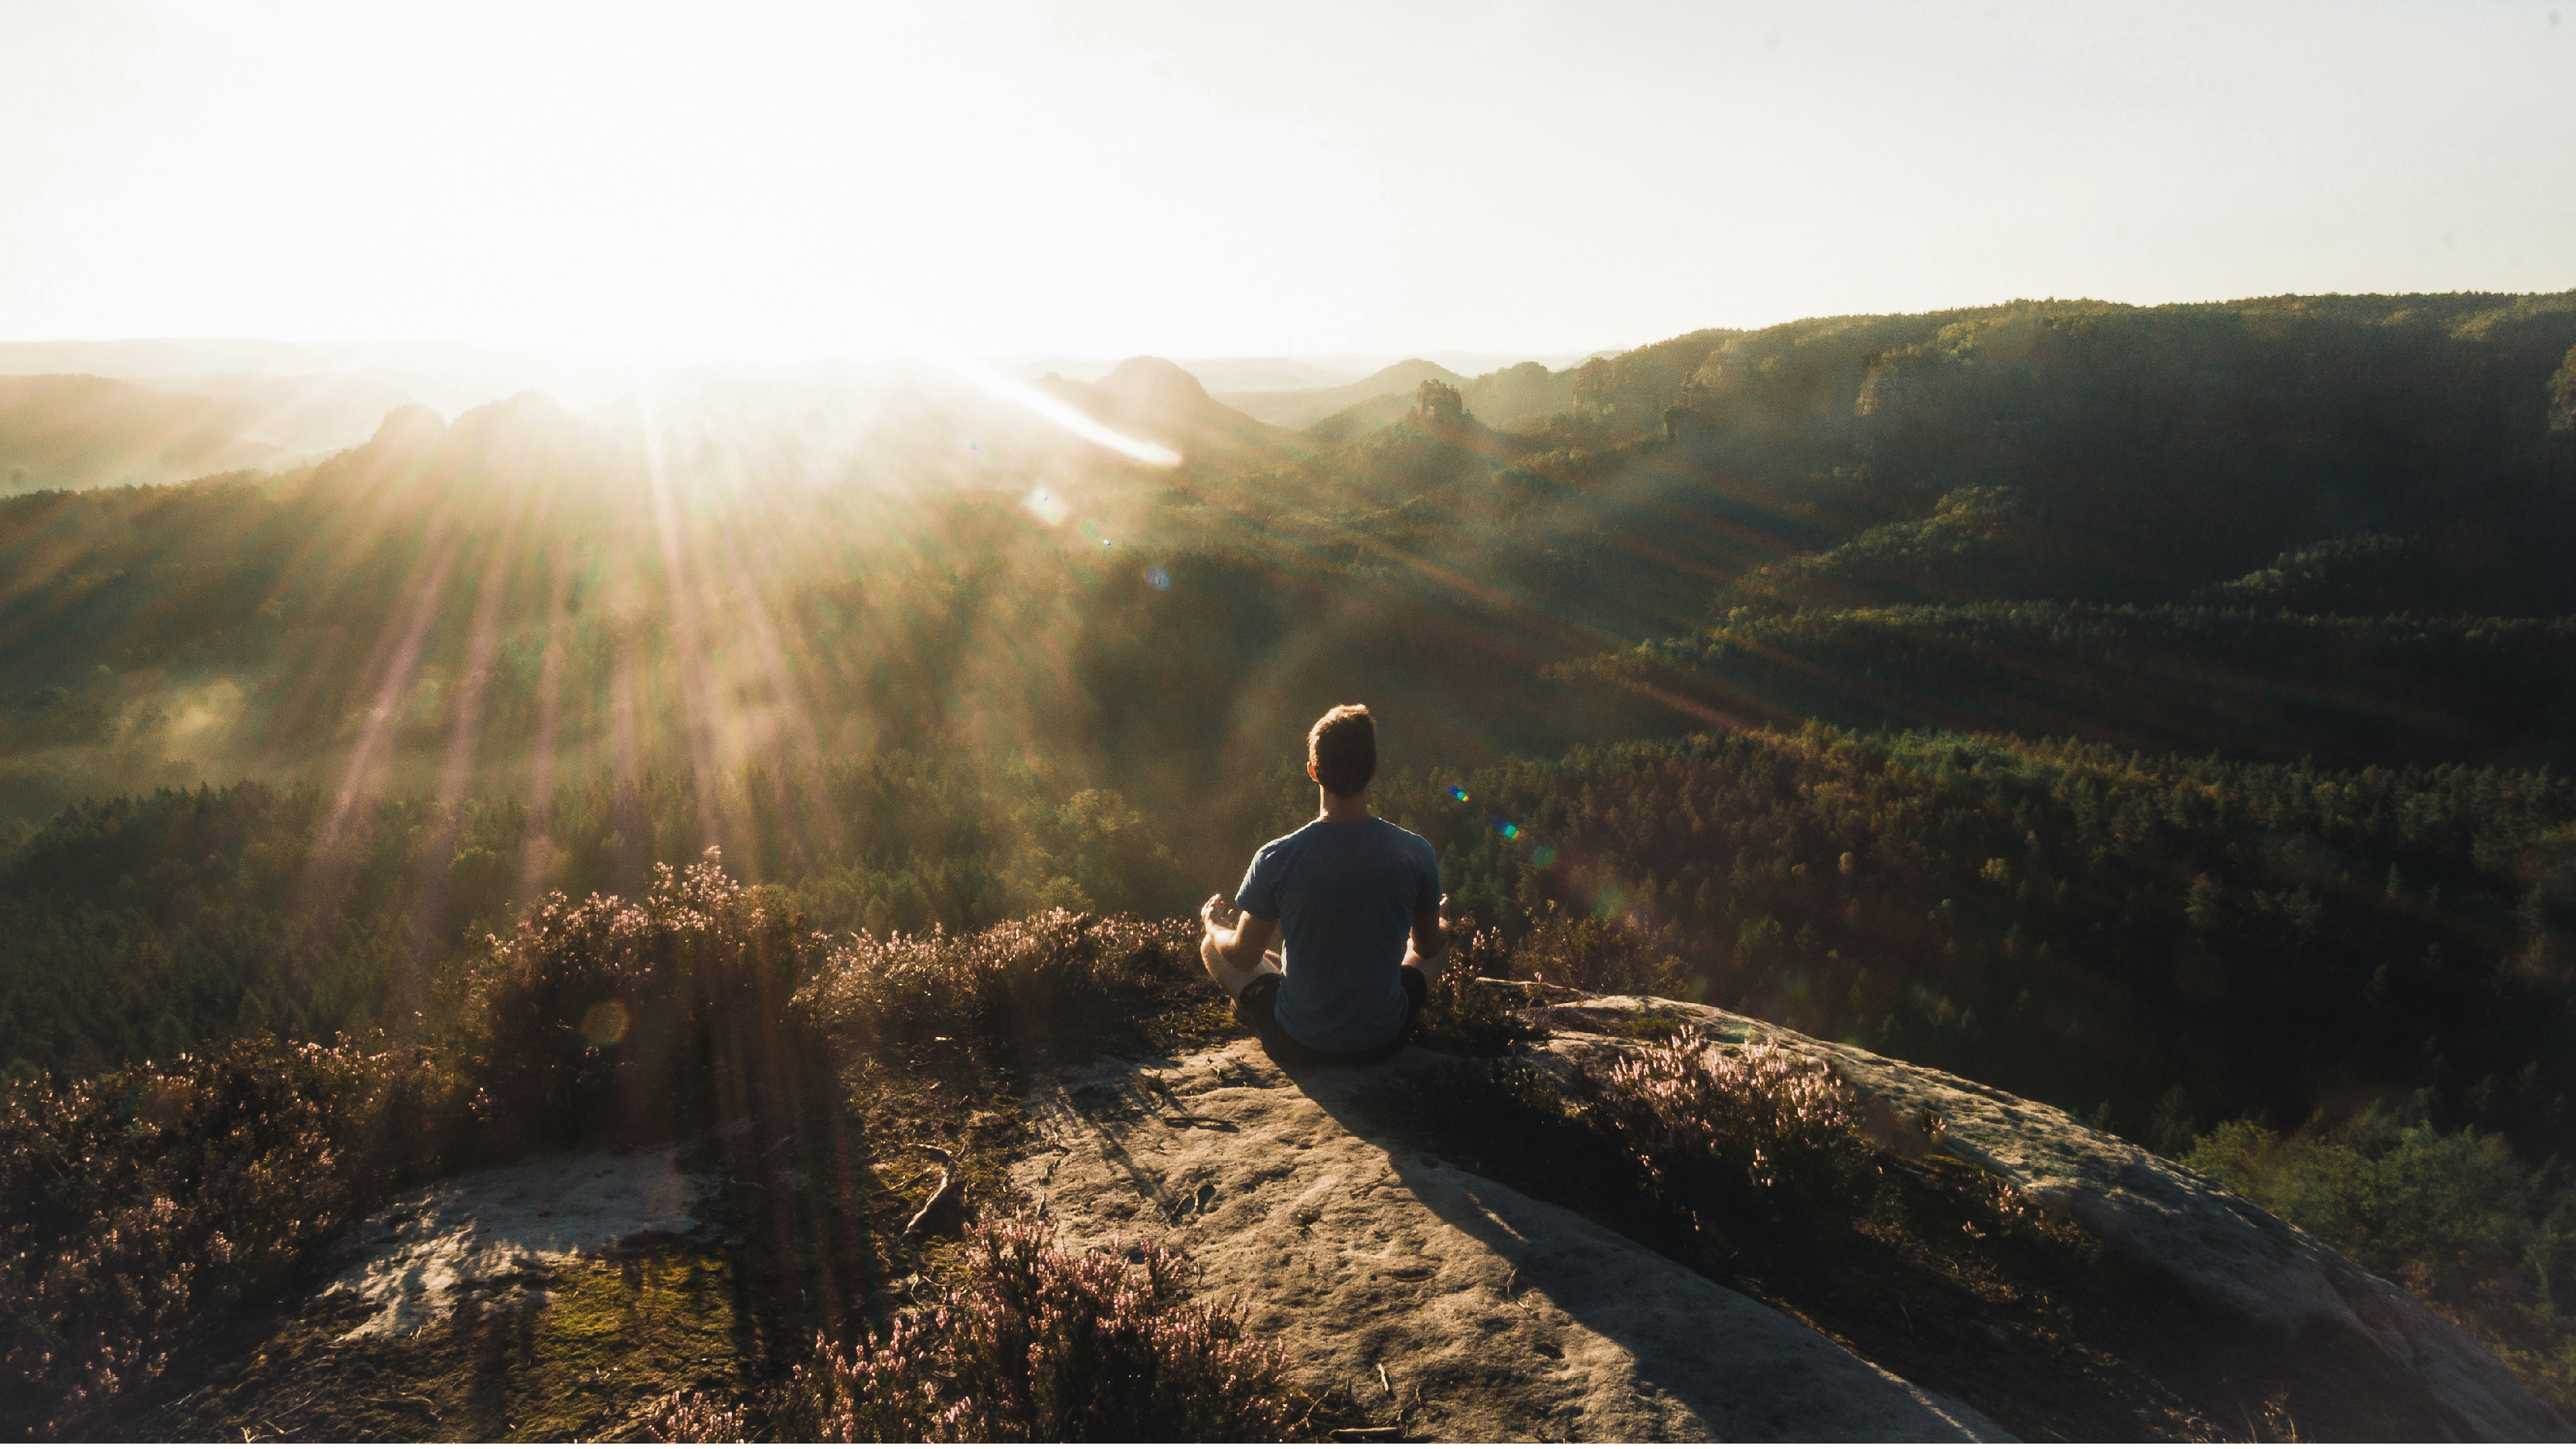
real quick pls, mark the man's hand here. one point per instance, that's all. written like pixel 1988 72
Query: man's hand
pixel 1430 939
pixel 1216 915
pixel 1235 938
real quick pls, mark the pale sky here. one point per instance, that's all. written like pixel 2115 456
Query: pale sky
pixel 729 182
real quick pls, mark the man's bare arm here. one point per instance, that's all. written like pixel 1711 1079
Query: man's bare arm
pixel 1238 937
pixel 1430 938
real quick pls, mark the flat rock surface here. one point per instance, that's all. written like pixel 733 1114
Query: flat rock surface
pixel 1437 1298
pixel 2227 1252
pixel 504 1229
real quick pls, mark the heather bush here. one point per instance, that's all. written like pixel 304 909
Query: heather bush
pixel 1758 1140
pixel 693 1418
pixel 1016 980
pixel 643 1017
pixel 1592 953
pixel 1460 1016
pixel 138 1207
pixel 1029 1341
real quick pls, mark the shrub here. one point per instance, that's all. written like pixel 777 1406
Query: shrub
pixel 1012 981
pixel 1759 1138
pixel 1462 1017
pixel 2448 1212
pixel 137 1208
pixel 693 1418
pixel 649 1017
pixel 2451 1217
pixel 1590 953
pixel 1031 1342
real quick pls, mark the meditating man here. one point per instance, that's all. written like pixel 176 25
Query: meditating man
pixel 1361 901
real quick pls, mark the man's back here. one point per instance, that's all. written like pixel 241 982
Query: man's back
pixel 1346 895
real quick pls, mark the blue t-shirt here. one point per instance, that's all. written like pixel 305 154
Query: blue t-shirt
pixel 1345 893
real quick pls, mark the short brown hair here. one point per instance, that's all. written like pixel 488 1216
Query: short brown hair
pixel 1342 747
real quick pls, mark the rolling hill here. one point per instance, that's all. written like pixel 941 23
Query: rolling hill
pixel 1505 398
pixel 1297 410
pixel 87 432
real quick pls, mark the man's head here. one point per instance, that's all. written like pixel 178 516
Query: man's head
pixel 1341 750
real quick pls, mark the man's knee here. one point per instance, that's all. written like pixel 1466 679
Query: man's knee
pixel 1256 1010
pixel 1230 978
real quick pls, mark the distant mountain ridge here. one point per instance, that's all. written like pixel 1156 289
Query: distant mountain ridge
pixel 1503 398
pixel 1303 409
pixel 1308 372
pixel 1219 374
pixel 1162 402
pixel 84 432
pixel 451 377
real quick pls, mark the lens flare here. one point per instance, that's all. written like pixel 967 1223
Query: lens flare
pixel 1543 857
pixel 604 1025
pixel 1157 579
pixel 1061 413
pixel 1458 794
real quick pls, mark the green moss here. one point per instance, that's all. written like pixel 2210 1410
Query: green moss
pixel 618 1338
pixel 1661 1023
pixel 1196 1023
pixel 597 1362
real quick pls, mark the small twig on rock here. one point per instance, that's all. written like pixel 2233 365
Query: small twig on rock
pixel 946 1209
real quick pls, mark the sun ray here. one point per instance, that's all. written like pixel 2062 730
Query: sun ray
pixel 683 602
pixel 536 842
pixel 787 685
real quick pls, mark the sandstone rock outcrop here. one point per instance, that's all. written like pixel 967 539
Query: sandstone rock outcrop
pixel 505 1229
pixel 1441 1300
pixel 1459 1308
pixel 1452 1306
pixel 2224 1250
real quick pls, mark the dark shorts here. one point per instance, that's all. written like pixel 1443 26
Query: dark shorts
pixel 1258 1009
